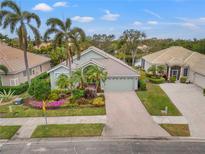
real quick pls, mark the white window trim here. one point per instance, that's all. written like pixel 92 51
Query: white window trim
pixel 15 81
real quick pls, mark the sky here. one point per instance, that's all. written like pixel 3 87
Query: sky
pixel 184 19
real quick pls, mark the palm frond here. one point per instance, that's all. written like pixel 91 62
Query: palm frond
pixel 32 16
pixel 4 69
pixel 54 22
pixel 58 38
pixel 50 31
pixel 11 4
pixel 36 33
pixel 68 23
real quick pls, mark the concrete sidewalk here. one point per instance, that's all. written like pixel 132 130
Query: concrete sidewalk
pixel 29 124
pixel 170 119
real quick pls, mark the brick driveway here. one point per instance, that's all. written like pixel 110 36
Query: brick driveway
pixel 126 116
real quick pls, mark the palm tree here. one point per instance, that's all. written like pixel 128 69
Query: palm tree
pixel 96 74
pixel 63 33
pixel 4 69
pixel 79 77
pixel 20 21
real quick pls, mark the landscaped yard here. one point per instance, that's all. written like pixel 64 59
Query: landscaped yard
pixel 68 130
pixel 155 100
pixel 176 129
pixel 26 111
pixel 6 132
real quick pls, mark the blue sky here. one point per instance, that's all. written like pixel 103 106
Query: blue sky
pixel 157 18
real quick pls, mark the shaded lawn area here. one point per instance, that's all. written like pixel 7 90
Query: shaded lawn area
pixel 25 111
pixel 68 130
pixel 6 132
pixel 155 100
pixel 176 129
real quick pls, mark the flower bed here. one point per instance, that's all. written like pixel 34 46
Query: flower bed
pixel 49 105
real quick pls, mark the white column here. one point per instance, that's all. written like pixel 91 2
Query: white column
pixel 169 72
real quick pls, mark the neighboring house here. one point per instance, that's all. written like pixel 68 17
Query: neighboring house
pixel 179 62
pixel 13 59
pixel 121 77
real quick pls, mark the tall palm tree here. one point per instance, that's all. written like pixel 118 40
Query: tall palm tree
pixel 64 33
pixel 4 69
pixel 19 21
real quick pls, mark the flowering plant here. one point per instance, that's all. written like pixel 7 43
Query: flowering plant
pixel 49 105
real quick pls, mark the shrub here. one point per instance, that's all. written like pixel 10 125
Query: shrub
pixel 6 96
pixel 99 101
pixel 41 76
pixel 57 94
pixel 77 93
pixel 183 79
pixel 17 89
pixel 90 92
pixel 63 81
pixel 157 80
pixel 49 105
pixel 82 101
pixel 40 89
pixel 173 79
pixel 142 85
pixel 148 74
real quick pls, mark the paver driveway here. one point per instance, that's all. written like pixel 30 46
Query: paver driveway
pixel 126 116
pixel 190 101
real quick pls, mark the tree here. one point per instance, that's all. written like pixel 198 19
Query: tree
pixel 57 55
pixel 4 69
pixel 95 74
pixel 20 21
pixel 132 38
pixel 63 33
pixel 64 82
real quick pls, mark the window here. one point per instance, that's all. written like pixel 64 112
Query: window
pixel 24 73
pixel 14 82
pixel 186 71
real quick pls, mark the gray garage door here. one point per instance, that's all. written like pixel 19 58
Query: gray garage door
pixel 199 80
pixel 120 84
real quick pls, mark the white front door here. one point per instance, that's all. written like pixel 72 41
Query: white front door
pixel 175 73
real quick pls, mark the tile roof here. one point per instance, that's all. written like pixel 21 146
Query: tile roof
pixel 13 59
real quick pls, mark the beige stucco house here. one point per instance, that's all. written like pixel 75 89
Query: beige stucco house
pixel 179 62
pixel 13 59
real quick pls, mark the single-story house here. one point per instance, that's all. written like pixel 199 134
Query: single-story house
pixel 121 77
pixel 179 62
pixel 13 59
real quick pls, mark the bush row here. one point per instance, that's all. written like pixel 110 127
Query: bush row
pixel 142 85
pixel 22 87
pixel 157 80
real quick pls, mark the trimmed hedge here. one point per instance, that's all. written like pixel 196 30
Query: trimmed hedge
pixel 173 79
pixel 17 89
pixel 157 80
pixel 142 85
pixel 22 87
pixel 183 79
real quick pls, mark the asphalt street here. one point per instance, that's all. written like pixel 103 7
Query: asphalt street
pixel 53 146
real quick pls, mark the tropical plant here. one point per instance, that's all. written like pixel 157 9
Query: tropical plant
pixel 20 21
pixel 64 82
pixel 153 70
pixel 4 69
pixel 57 56
pixel 6 96
pixel 99 101
pixel 78 77
pixel 161 69
pixel 94 74
pixel 63 33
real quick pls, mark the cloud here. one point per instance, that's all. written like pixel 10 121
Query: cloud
pixel 153 13
pixel 137 23
pixel 152 22
pixel 60 4
pixel 110 16
pixel 84 19
pixel 42 7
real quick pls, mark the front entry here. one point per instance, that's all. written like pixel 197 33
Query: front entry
pixel 175 71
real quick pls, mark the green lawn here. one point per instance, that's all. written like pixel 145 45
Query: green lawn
pixel 25 111
pixel 176 129
pixel 68 130
pixel 6 132
pixel 155 100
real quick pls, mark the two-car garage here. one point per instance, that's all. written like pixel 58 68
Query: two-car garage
pixel 120 84
pixel 199 80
